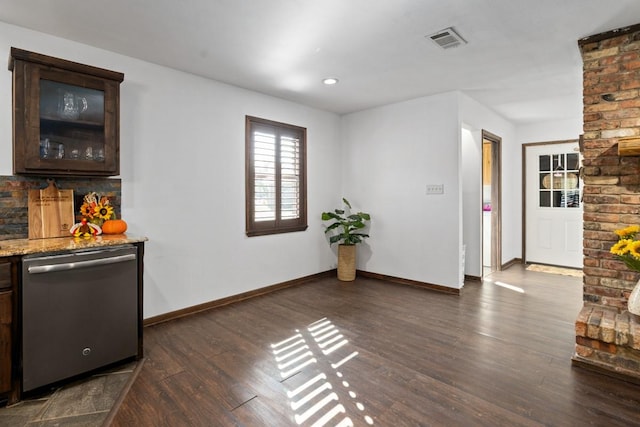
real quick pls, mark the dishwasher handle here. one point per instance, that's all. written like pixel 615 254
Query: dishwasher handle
pixel 50 268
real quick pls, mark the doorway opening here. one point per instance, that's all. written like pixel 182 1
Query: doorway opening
pixel 491 203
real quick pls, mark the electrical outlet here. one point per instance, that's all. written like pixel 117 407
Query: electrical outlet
pixel 435 189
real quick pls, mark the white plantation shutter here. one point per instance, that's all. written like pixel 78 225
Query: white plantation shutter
pixel 264 151
pixel 290 177
pixel 276 188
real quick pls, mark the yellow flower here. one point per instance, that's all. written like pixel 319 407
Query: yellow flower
pixel 629 231
pixel 104 211
pixel 622 247
pixel 627 248
pixel 634 249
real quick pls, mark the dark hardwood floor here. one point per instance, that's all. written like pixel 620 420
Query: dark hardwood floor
pixel 396 356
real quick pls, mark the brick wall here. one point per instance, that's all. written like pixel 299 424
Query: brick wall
pixel 611 183
pixel 611 190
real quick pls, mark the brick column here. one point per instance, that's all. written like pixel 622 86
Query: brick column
pixel 611 194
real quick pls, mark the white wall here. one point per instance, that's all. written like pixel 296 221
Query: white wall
pixel 182 170
pixel 471 142
pixel 559 130
pixel 476 117
pixel 391 153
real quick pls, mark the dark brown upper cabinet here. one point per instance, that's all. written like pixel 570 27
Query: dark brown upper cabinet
pixel 66 117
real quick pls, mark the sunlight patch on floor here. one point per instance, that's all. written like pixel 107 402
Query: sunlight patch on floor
pixel 505 285
pixel 317 398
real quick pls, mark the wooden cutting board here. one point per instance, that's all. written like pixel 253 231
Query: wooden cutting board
pixel 50 212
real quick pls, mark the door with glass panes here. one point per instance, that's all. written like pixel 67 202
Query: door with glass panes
pixel 553 216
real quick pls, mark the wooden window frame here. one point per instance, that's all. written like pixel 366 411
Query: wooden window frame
pixel 260 228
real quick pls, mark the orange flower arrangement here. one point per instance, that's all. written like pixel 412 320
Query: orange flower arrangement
pixel 96 209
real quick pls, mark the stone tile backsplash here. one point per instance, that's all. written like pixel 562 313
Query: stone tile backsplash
pixel 14 197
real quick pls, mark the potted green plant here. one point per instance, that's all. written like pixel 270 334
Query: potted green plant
pixel 346 230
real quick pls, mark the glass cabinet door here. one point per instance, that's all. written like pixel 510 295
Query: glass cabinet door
pixel 66 121
pixel 71 122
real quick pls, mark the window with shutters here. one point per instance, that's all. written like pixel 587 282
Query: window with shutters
pixel 275 177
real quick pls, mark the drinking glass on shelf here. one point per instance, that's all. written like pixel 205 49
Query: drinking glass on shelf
pixel 75 154
pixel 60 153
pixel 88 153
pixel 45 148
pixel 71 105
pixel 99 155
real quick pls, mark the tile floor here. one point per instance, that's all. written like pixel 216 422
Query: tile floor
pixel 85 402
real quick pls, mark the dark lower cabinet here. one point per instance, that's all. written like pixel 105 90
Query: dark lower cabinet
pixel 7 325
pixel 6 315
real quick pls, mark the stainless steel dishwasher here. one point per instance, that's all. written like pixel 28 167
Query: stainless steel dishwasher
pixel 79 313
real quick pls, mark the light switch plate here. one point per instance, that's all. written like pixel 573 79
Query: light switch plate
pixel 435 189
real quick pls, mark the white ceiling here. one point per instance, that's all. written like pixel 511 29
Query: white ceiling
pixel 522 58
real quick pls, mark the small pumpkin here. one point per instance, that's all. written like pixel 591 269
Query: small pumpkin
pixel 114 226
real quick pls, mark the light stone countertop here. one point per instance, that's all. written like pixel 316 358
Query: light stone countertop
pixel 58 244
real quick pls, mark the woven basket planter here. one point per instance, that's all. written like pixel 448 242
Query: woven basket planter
pixel 346 263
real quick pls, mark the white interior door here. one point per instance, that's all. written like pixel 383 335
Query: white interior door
pixel 553 205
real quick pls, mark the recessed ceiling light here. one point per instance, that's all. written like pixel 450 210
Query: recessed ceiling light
pixel 330 81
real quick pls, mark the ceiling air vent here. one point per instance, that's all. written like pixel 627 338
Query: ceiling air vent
pixel 447 38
